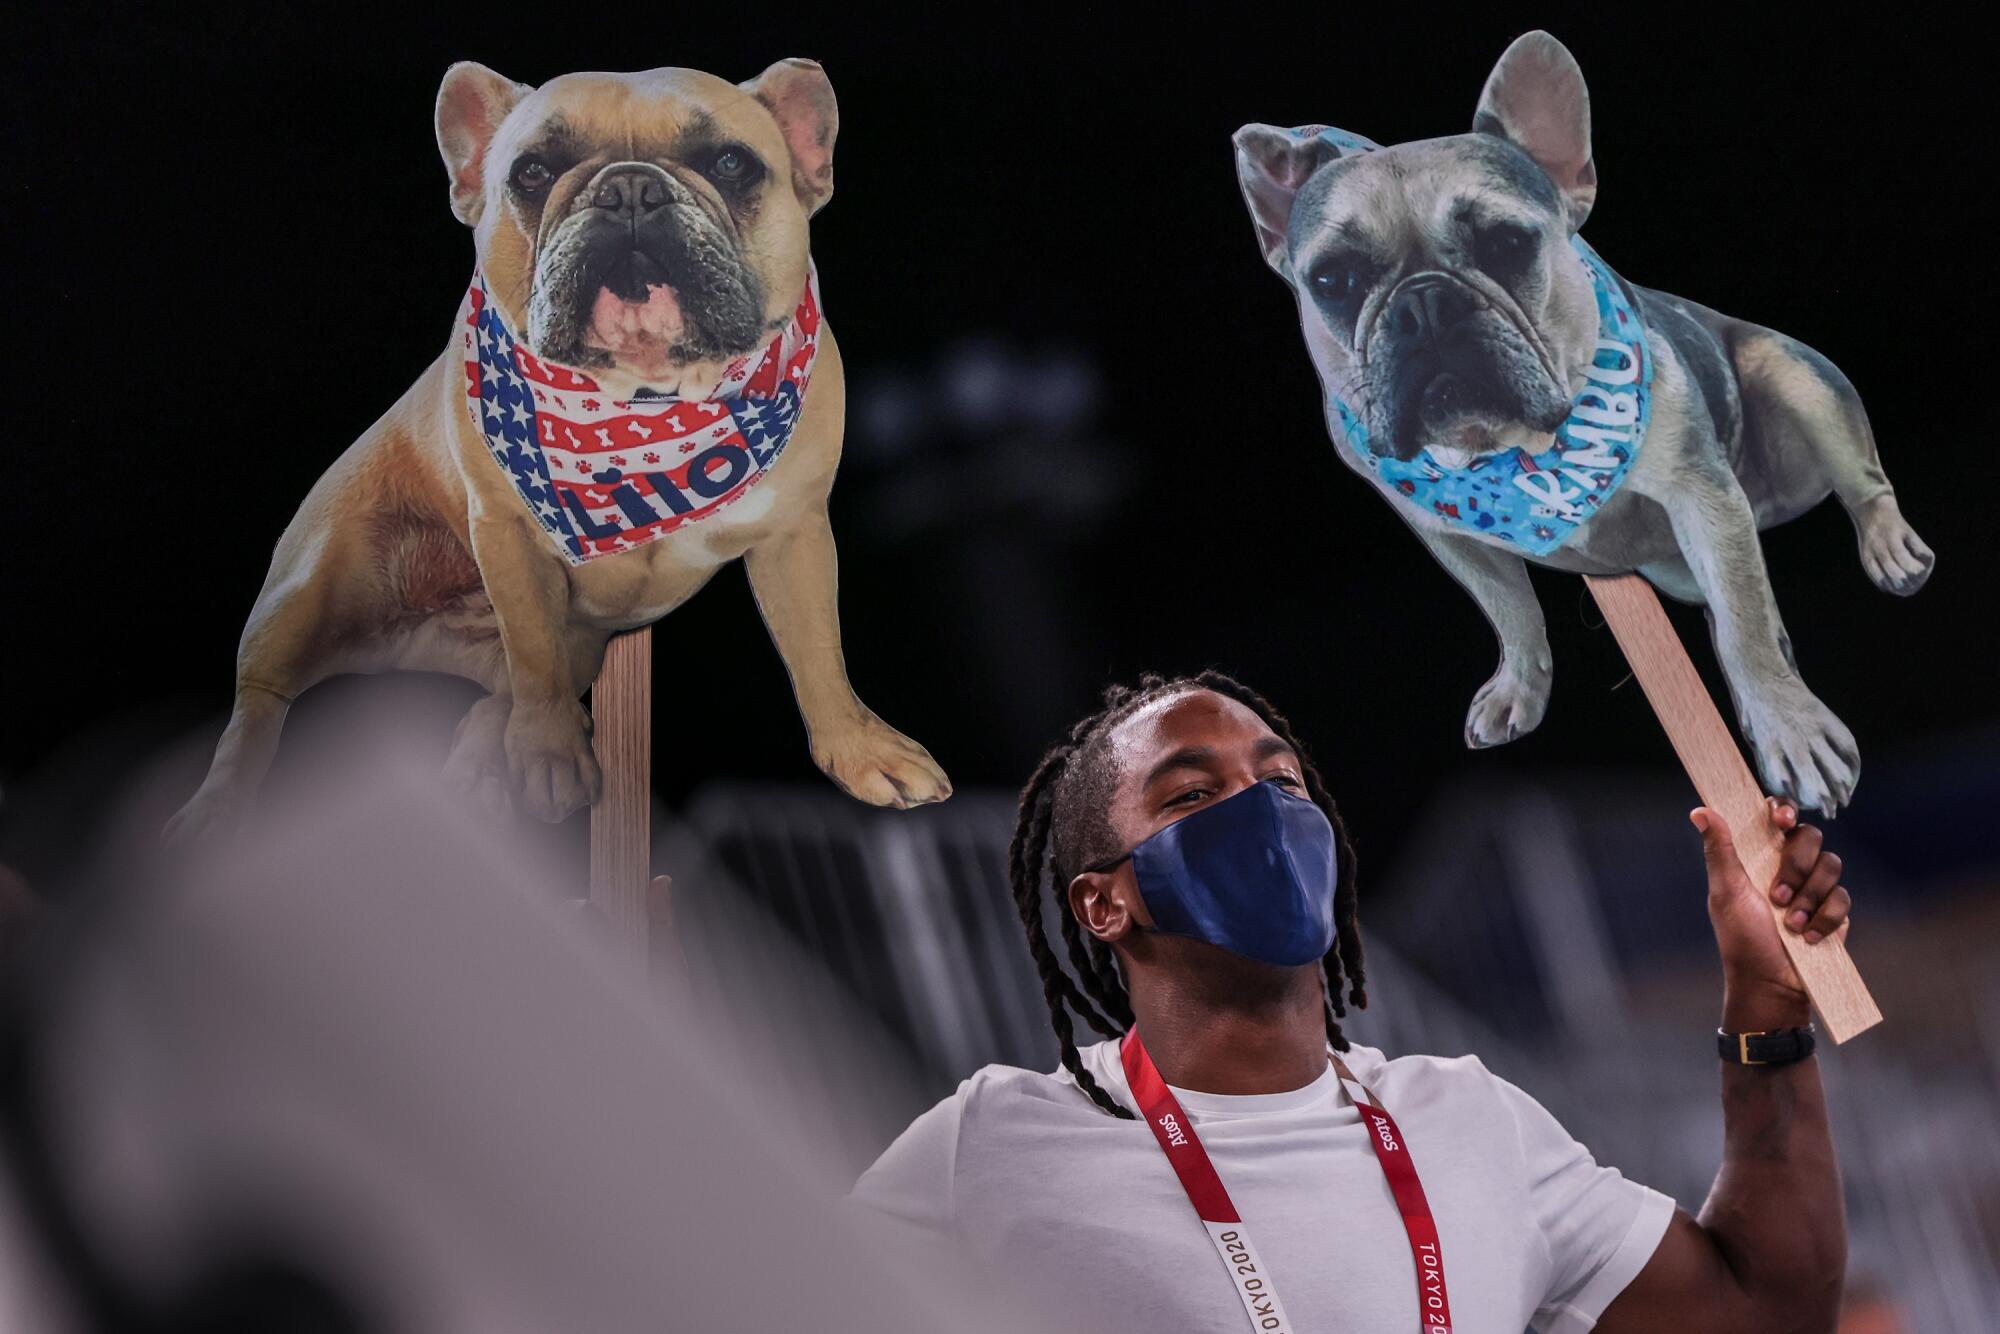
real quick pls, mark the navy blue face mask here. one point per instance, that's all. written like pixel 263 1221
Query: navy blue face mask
pixel 1254 873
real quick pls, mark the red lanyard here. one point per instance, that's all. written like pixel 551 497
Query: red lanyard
pixel 1254 1285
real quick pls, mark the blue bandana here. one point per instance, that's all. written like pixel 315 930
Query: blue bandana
pixel 1533 501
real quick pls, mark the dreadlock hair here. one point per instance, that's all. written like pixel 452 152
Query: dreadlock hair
pixel 1064 826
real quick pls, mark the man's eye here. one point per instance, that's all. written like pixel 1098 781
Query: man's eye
pixel 1187 798
pixel 1285 780
pixel 532 175
pixel 735 166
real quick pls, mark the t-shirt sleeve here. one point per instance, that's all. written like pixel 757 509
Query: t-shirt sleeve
pixel 1601 1228
pixel 911 1182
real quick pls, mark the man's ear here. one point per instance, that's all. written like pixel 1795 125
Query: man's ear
pixel 471 103
pixel 1271 165
pixel 800 98
pixel 1536 97
pixel 1093 900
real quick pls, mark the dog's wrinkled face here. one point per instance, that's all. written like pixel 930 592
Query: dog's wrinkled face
pixel 1436 282
pixel 646 225
pixel 1435 266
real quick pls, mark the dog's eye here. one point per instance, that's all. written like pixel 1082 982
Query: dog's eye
pixel 1503 250
pixel 531 175
pixel 1337 281
pixel 735 166
pixel 1340 284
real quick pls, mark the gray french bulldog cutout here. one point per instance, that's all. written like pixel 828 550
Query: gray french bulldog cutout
pixel 1515 399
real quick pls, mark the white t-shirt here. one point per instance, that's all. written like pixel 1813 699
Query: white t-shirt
pixel 1031 1178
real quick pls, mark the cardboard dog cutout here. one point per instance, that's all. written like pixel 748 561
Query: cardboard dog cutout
pixel 1514 399
pixel 638 388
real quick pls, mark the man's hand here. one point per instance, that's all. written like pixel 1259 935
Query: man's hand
pixel 1769 1250
pixel 1760 988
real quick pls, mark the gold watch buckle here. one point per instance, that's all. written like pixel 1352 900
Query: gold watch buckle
pixel 1743 1048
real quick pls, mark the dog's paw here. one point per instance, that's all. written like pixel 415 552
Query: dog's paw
pixel 1896 559
pixel 873 762
pixel 478 762
pixel 1509 705
pixel 549 755
pixel 1803 751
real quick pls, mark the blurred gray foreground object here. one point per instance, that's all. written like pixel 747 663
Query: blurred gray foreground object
pixel 376 1043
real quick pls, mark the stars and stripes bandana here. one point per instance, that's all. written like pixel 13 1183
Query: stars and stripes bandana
pixel 607 475
pixel 1533 501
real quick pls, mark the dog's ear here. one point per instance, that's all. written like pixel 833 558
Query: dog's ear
pixel 1271 165
pixel 471 103
pixel 1536 97
pixel 800 98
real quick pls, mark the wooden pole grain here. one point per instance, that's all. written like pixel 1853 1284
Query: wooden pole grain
pixel 621 823
pixel 1710 755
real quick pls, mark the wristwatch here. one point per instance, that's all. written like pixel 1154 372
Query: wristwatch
pixel 1779 1046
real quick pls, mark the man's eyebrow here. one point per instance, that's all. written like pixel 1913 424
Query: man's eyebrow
pixel 1201 757
pixel 1270 746
pixel 1187 757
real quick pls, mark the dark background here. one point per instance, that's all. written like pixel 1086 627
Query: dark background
pixel 230 250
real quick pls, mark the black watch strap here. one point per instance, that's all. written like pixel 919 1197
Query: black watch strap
pixel 1780 1046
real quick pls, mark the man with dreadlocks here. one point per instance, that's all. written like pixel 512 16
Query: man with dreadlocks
pixel 1204 891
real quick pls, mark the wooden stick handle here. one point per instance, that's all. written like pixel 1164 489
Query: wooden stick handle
pixel 668 958
pixel 1710 755
pixel 621 823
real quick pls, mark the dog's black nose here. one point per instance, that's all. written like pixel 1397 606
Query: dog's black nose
pixel 630 190
pixel 1428 306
